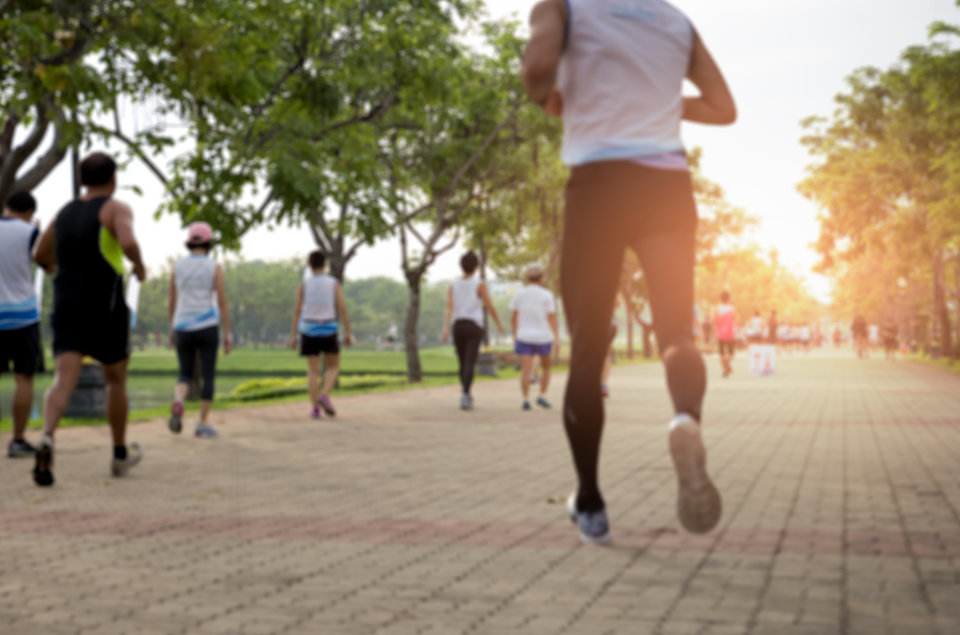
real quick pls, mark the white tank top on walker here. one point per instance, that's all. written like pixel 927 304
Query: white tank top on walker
pixel 18 300
pixel 467 304
pixel 319 315
pixel 621 76
pixel 196 308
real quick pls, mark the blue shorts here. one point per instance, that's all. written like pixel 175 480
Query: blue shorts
pixel 522 348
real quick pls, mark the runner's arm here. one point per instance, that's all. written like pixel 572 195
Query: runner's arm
pixel 715 104
pixel 552 320
pixel 297 307
pixel 344 316
pixel 447 315
pixel 172 304
pixel 541 58
pixel 220 284
pixel 488 305
pixel 44 253
pixel 120 224
pixel 514 321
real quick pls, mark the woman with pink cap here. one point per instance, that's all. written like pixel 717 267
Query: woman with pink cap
pixel 195 323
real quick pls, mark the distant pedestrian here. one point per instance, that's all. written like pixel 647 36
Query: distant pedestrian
pixel 890 339
pixel 614 72
pixel 860 332
pixel 534 320
pixel 19 312
pixel 773 328
pixel 86 245
pixel 466 300
pixel 726 321
pixel 755 328
pixel 317 313
pixel 195 322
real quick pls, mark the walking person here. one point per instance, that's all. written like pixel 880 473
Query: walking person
pixel 317 313
pixel 86 244
pixel 773 328
pixel 19 312
pixel 860 332
pixel 615 76
pixel 534 322
pixel 466 300
pixel 726 323
pixel 195 322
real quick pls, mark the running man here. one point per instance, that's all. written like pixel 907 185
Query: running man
pixel 86 244
pixel 615 76
pixel 466 299
pixel 19 313
pixel 534 321
pixel 317 312
pixel 726 319
pixel 195 324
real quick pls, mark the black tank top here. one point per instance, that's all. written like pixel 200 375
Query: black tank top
pixel 89 260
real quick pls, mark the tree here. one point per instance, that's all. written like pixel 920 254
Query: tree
pixel 888 176
pixel 440 156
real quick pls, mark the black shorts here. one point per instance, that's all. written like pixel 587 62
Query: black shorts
pixel 104 336
pixel 727 347
pixel 310 345
pixel 22 347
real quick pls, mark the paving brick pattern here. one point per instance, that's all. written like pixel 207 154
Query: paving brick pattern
pixel 840 477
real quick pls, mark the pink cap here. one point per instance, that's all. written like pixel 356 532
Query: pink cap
pixel 199 233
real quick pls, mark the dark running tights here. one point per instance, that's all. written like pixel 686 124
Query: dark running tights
pixel 467 336
pixel 189 344
pixel 612 207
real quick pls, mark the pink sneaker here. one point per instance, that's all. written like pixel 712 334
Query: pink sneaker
pixel 324 402
pixel 175 422
pixel 315 413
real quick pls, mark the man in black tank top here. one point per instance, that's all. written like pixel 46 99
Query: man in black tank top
pixel 85 245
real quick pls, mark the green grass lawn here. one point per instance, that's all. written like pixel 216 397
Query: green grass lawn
pixel 282 373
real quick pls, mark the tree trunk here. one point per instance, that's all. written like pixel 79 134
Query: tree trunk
pixel 628 305
pixel 940 309
pixel 647 347
pixel 411 343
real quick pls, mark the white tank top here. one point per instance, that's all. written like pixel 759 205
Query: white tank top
pixel 319 298
pixel 467 305
pixel 196 308
pixel 621 76
pixel 18 302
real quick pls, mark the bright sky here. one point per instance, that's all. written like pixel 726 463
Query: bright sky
pixel 784 60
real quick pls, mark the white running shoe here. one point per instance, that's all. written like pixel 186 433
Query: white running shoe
pixel 698 502
pixel 593 526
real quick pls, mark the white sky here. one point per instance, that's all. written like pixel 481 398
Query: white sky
pixel 784 59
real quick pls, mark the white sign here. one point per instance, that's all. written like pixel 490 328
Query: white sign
pixel 763 360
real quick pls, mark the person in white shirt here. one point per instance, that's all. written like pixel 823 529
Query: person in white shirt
pixel 317 314
pixel 466 300
pixel 614 72
pixel 19 313
pixel 195 322
pixel 534 320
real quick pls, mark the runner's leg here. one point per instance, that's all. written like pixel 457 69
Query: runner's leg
pixel 67 368
pixel 22 402
pixel 115 378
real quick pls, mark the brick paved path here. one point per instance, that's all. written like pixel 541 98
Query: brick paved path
pixel 841 482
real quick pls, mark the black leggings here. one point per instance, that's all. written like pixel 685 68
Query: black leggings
pixel 467 336
pixel 611 207
pixel 203 342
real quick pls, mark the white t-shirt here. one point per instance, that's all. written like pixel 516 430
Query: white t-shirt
pixel 533 304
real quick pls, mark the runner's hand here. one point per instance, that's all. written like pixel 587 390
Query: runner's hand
pixel 293 342
pixel 554 105
pixel 173 339
pixel 444 335
pixel 348 340
pixel 227 344
pixel 140 272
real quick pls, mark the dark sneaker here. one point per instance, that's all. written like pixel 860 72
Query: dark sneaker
pixel 593 526
pixel 205 430
pixel 542 402
pixel 120 467
pixel 175 422
pixel 327 405
pixel 526 405
pixel 42 468
pixel 698 502
pixel 19 448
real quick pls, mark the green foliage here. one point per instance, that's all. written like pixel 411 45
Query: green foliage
pixel 888 182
